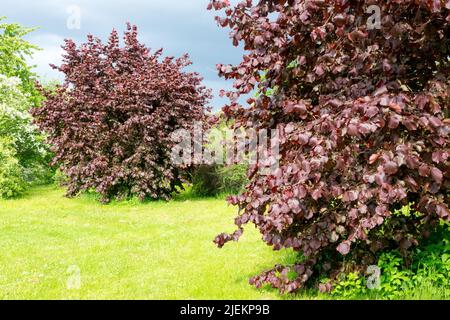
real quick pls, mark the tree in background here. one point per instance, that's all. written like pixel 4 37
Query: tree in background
pixel 111 121
pixel 12 182
pixel 14 51
pixel 224 174
pixel 16 123
pixel 22 149
pixel 364 130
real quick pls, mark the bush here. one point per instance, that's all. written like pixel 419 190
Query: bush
pixel 16 127
pixel 16 123
pixel 18 94
pixel 429 266
pixel 232 178
pixel 11 179
pixel 59 178
pixel 225 176
pixel 111 122
pixel 362 116
pixel 205 181
pixel 213 180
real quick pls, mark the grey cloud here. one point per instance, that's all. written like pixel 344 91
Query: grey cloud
pixel 178 26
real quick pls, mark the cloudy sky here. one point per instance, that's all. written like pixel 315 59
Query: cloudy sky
pixel 179 26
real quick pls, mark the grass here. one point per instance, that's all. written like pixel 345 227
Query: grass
pixel 155 250
pixel 131 250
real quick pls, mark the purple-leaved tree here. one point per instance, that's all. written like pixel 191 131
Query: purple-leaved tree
pixel 363 113
pixel 111 121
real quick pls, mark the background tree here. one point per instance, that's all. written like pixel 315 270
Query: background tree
pixel 16 123
pixel 22 149
pixel 111 121
pixel 14 51
pixel 363 121
pixel 224 174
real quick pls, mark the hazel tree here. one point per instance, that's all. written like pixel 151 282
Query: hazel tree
pixel 362 110
pixel 111 121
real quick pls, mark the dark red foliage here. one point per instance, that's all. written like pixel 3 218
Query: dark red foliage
pixel 364 121
pixel 111 121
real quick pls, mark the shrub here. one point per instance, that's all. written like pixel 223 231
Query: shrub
pixel 233 178
pixel 228 175
pixel 111 121
pixel 213 180
pixel 16 123
pixel 18 94
pixel 59 178
pixel 429 266
pixel 11 179
pixel 16 127
pixel 363 124
pixel 205 181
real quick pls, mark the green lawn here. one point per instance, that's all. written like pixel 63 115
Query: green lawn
pixel 129 250
pixel 132 250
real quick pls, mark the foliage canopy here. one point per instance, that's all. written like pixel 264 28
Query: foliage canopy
pixel 363 116
pixel 111 121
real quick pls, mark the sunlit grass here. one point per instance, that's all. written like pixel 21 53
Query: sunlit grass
pixel 132 250
pixel 128 250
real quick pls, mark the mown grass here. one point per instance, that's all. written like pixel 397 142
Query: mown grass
pixel 127 250
pixel 130 250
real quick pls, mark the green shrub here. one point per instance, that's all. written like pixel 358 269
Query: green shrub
pixel 59 178
pixel 232 178
pixel 16 127
pixel 213 180
pixel 205 181
pixel 23 145
pixel 349 286
pixel 428 271
pixel 12 182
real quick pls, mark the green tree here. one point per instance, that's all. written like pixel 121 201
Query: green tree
pixel 16 122
pixel 14 51
pixel 23 153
